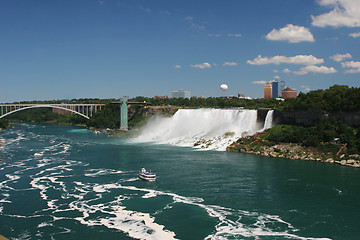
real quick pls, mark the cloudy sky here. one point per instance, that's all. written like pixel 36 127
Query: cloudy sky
pixel 64 49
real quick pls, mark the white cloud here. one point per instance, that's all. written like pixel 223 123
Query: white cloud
pixel 189 18
pixel 194 25
pixel 202 65
pixel 146 9
pixel 315 69
pixel 197 26
pixel 298 59
pixel 351 64
pixel 291 33
pixel 276 77
pixel 214 35
pixel 340 57
pixel 345 13
pixel 354 70
pixel 177 66
pixel 260 82
pixel 355 66
pixel 305 88
pixel 286 70
pixel 235 35
pixel 355 35
pixel 276 71
pixel 167 13
pixel 332 38
pixel 231 64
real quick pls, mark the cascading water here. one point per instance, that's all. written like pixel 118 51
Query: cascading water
pixel 268 120
pixel 211 129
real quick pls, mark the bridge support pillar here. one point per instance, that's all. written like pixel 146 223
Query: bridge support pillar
pixel 124 114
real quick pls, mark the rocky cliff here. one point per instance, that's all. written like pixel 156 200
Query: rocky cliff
pixel 309 118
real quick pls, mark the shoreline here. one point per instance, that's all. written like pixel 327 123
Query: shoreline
pixel 255 145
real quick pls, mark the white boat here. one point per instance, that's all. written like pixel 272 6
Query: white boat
pixel 147 175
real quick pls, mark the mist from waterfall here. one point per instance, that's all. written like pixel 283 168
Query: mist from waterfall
pixel 211 129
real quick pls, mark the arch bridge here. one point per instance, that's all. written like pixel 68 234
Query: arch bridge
pixel 84 110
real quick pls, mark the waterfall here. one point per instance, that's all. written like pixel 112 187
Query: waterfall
pixel 268 120
pixel 212 129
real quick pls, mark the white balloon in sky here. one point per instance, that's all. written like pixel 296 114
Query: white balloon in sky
pixel 224 87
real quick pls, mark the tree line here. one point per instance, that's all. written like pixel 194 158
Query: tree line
pixel 336 98
pixel 321 135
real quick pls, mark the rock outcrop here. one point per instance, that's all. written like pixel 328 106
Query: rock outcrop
pixel 256 145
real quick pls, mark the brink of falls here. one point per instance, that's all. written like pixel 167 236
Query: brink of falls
pixel 211 129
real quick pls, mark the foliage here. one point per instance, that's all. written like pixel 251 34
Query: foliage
pixel 323 132
pixel 72 101
pixel 214 102
pixel 109 117
pixel 40 115
pixel 4 124
pixel 336 98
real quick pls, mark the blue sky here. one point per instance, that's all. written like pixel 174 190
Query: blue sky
pixel 64 49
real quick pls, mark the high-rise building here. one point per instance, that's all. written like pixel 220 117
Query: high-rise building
pixel 268 90
pixel 181 94
pixel 289 93
pixel 281 87
pixel 275 89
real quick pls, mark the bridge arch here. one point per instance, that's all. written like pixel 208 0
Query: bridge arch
pixel 44 106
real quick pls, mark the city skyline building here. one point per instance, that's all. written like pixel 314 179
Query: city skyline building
pixel 281 87
pixel 289 93
pixel 181 94
pixel 275 89
pixel 268 90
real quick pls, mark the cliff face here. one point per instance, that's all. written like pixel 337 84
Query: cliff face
pixel 308 118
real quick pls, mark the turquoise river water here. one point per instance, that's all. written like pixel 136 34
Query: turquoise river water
pixel 80 185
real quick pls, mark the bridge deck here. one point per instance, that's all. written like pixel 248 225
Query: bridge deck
pixel 85 109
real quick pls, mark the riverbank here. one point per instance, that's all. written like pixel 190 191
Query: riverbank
pixel 326 152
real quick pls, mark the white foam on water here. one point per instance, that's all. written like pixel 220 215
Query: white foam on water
pixel 10 141
pixel 38 154
pixel 137 225
pixel 45 224
pixel 85 198
pixel 131 179
pixel 210 129
pixel 226 228
pixel 101 172
pixel 12 177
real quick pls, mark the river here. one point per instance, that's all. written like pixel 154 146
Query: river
pixel 85 186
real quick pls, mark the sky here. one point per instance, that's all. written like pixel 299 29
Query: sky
pixel 65 49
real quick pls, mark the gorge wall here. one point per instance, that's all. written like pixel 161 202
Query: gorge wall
pixel 309 118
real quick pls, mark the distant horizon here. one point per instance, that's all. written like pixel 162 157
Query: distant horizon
pixel 111 48
pixel 169 96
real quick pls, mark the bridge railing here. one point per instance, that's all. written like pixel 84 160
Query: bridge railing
pixel 86 110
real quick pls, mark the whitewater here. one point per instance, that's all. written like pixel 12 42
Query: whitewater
pixel 210 129
pixel 85 186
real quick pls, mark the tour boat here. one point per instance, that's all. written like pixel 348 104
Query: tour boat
pixel 147 175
